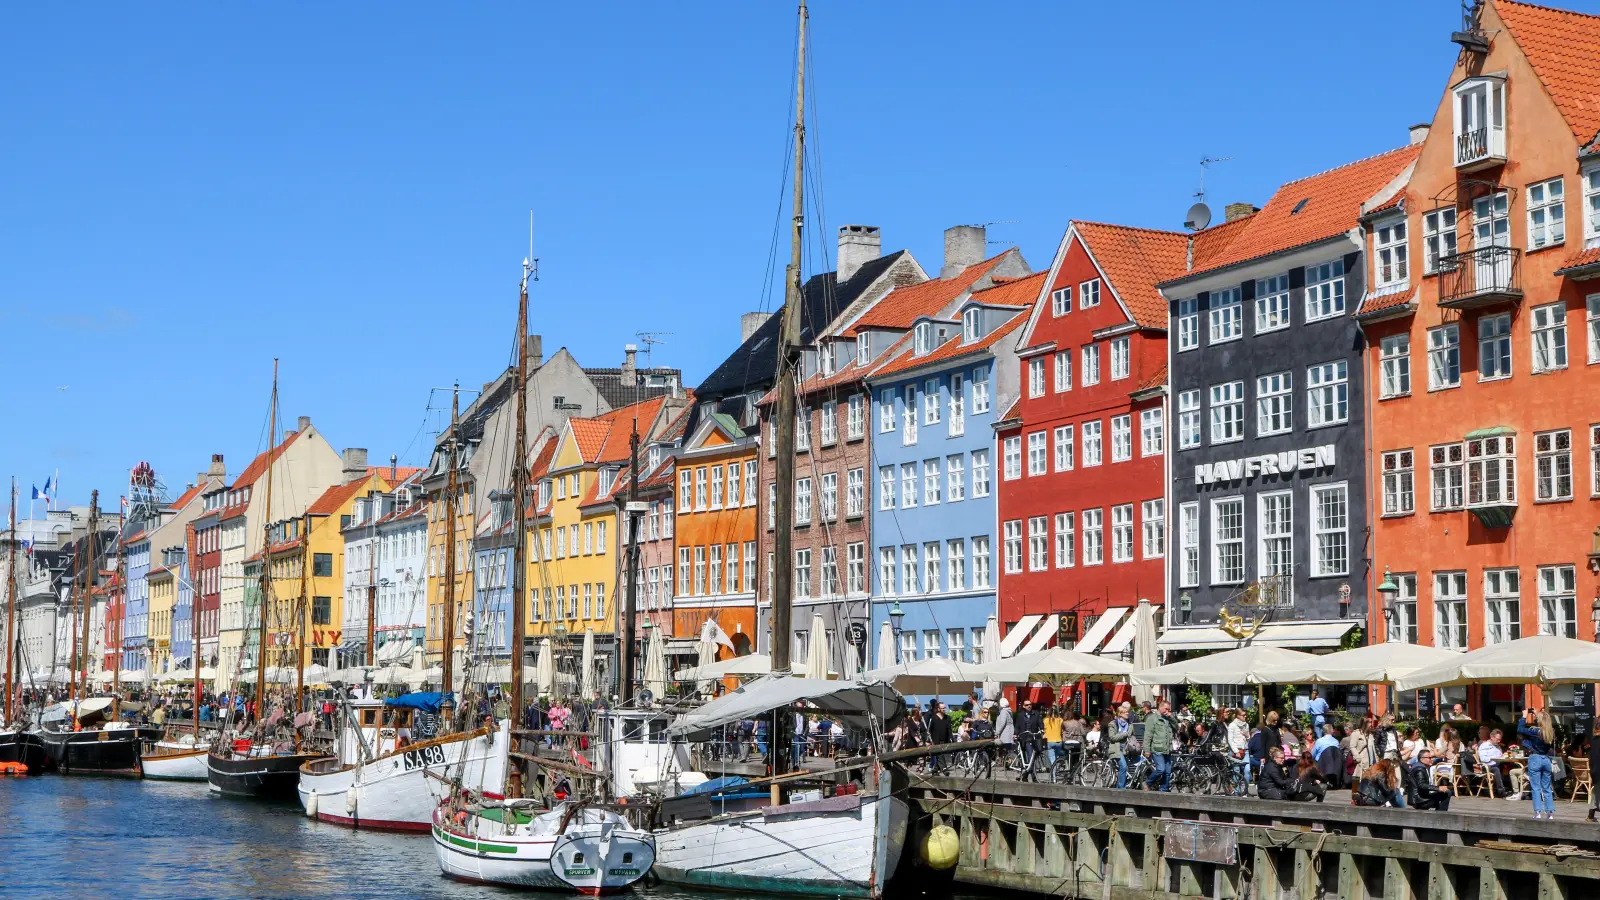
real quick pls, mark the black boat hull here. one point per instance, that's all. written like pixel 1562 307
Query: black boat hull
pixel 113 753
pixel 262 777
pixel 23 747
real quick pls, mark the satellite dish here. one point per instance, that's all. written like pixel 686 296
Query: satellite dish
pixel 1198 217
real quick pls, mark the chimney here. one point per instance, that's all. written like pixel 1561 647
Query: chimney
pixel 355 463
pixel 394 467
pixel 630 369
pixel 964 245
pixel 858 245
pixel 535 351
pixel 303 424
pixel 1418 133
pixel 750 323
pixel 1238 211
pixel 217 469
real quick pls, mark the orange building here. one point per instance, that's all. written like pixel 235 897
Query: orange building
pixel 716 533
pixel 1483 327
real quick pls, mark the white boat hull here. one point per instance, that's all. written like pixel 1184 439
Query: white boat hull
pixel 399 792
pixel 176 762
pixel 586 858
pixel 804 849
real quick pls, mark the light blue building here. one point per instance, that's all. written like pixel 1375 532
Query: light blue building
pixel 935 400
pixel 177 559
pixel 136 605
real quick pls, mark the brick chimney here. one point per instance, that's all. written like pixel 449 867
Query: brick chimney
pixel 630 363
pixel 535 351
pixel 751 322
pixel 303 424
pixel 355 463
pixel 1238 211
pixel 858 245
pixel 217 469
pixel 964 245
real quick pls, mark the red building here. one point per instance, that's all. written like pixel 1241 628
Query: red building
pixel 205 573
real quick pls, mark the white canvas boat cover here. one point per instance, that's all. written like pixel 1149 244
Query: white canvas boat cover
pixel 851 701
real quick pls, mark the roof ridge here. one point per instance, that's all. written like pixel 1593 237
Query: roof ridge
pixel 1353 162
pixel 1181 234
pixel 1554 9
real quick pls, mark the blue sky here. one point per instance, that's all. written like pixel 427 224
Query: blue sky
pixel 188 191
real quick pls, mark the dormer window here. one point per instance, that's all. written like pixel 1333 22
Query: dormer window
pixel 923 339
pixel 969 324
pixel 1480 122
pixel 653 457
pixel 826 354
pixel 1391 250
pixel 863 348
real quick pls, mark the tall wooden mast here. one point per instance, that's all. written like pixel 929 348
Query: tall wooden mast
pixel 11 605
pixel 519 503
pixel 85 602
pixel 194 621
pixel 448 615
pixel 301 615
pixel 266 553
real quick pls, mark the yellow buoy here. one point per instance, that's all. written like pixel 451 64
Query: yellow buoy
pixel 941 848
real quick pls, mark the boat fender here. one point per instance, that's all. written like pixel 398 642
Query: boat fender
pixel 352 799
pixel 941 848
pixel 311 804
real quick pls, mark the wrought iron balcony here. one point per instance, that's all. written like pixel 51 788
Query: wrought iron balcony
pixel 1480 277
pixel 1480 148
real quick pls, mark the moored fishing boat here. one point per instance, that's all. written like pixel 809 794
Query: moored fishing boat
pixel 24 748
pixel 78 740
pixel 571 846
pixel 176 760
pixel 264 771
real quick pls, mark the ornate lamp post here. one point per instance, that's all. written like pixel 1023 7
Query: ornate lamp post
pixel 897 617
pixel 1388 590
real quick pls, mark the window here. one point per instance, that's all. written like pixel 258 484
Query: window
pixel 908 646
pixel 716 487
pixel 1398 483
pixel 1152 439
pixel 749 568
pixel 1444 357
pixel 863 348
pixel 802 430
pixel 956 550
pixel 1552 465
pixel 1396 365
pixel 1274 404
pixel 1089 293
pixel 1188 419
pixel 930 482
pixel 732 557
pixel 700 488
pixel 1594 460
pixel 1012 448
pixel 930 644
pixel 1061 301
pixel 749 486
pixel 1558 601
pixel 321 607
pixel 1063 441
pixel 1391 248
pixel 1276 512
pixel 1593 330
pixel 1038 543
pixel 1447 466
pixel 1091 364
pixel 958 405
pixel 772 505
pixel 980 391
pixel 699 571
pixel 1403 628
pixel 1330 530
pixel 856 417
pixel 1121 438
pixel 1063 370
pixel 1438 237
pixel 1036 377
pixel 1093 537
pixel 1591 202
pixel 969 325
pixel 886 569
pixel 980 473
pixel 1189 544
pixel 886 487
pixel 1227 316
pixel 830 572
pixel 908 485
pixel 802 501
pixel 1492 471
pixel 714 570
pixel 910 412
pixel 1494 347
pixel 830 423
pixel 1036 452
pixel 830 497
pixel 1120 364
pixel 1013 545
pixel 886 411
pixel 1066 540
pixel 588 538
pixel 1091 443
pixel 1325 290
pixel 1227 541
pixel 923 337
pixel 1122 533
pixel 955 642
pixel 1547 218
pixel 930 402
pixel 1450 610
pixel 802 573
pixel 955 469
pixel 1502 598
pixel 322 565
pixel 1188 324
pixel 1272 303
pixel 855 498
pixel 1550 337
pixel 1227 412
pixel 980 561
pixel 1153 513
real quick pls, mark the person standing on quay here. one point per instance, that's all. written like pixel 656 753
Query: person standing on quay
pixel 1158 730
pixel 1538 735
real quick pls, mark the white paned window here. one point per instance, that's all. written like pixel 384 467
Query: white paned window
pixel 856 417
pixel 685 490
pixel 1550 337
pixel 1037 452
pixel 1552 465
pixel 699 571
pixel 715 569
pixel 1275 510
pixel 1227 540
pixel 956 553
pixel 1447 469
pixel 830 572
pixel 931 578
pixel 1066 540
pixel 830 496
pixel 980 391
pixel 955 469
pixel 733 485
pixel 1013 546
pixel 802 573
pixel 802 501
pixel 1399 483
pixel 1122 533
pixel 1274 403
pixel 1403 629
pixel 1153 515
pixel 1438 237
pixel 1089 293
pixel 1592 329
pixel 1391 251
pixel 980 561
pixel 716 487
pixel 886 569
pixel 1272 303
pixel 886 487
pixel 1036 377
pixel 908 567
pixel 1091 364
pixel 908 485
pixel 1227 412
pixel 1450 610
pixel 1152 432
pixel 1591 202
pixel 1038 543
pixel 958 405
pixel 1494 347
pixel 1444 357
pixel 1328 393
pixel 980 473
pixel 1012 462
pixel 1188 324
pixel 1061 301
pixel 856 567
pixel 955 642
pixel 802 428
pixel 930 402
pixel 1121 438
pixel 1093 537
pixel 1492 471
pixel 969 324
pixel 1502 599
pixel 1395 352
pixel 1188 419
pixel 1325 290
pixel 855 492
pixel 1063 436
pixel 930 482
pixel 1063 370
pixel 1189 544
pixel 1120 364
pixel 1227 316
pixel 749 482
pixel 1091 443
pixel 886 417
pixel 830 423
pixel 1558 601
pixel 1330 530
pixel 1547 216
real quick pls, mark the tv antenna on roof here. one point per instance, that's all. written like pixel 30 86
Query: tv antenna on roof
pixel 1199 215
pixel 650 339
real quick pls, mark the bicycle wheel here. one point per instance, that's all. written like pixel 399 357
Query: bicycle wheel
pixel 1097 773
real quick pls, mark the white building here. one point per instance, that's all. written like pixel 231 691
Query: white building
pixel 386 552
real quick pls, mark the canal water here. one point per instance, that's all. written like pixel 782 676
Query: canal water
pixel 117 839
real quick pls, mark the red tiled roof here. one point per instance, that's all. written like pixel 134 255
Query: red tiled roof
pixel 1564 49
pixel 1212 242
pixel 186 496
pixel 901 306
pixel 333 499
pixel 541 460
pixel 258 466
pixel 1011 291
pixel 1373 304
pixel 1154 381
pixel 401 473
pixel 1011 411
pixel 591 436
pixel 598 439
pixel 1312 209
pixel 958 347
pixel 1134 261
pixel 1583 258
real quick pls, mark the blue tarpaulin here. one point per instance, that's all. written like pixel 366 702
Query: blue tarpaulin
pixel 427 701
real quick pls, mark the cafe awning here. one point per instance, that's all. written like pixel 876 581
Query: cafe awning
pixel 1296 635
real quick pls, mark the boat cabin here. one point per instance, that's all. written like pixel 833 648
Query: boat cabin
pixel 639 755
pixel 372 730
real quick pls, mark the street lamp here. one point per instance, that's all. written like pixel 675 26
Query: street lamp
pixel 1388 590
pixel 897 617
pixel 1594 614
pixel 1185 607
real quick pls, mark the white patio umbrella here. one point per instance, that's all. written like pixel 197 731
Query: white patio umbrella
pixel 749 664
pixel 655 665
pixel 1056 665
pixel 991 654
pixel 707 654
pixel 1540 659
pixel 817 647
pixel 316 674
pixel 929 677
pixel 885 655
pixel 587 685
pixel 1241 666
pixel 280 675
pixel 1145 655
pixel 1372 664
pixel 544 668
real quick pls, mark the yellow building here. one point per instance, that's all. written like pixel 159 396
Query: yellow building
pixel 163 584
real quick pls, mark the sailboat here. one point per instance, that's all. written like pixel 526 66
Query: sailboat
pixel 254 764
pixel 19 749
pixel 183 757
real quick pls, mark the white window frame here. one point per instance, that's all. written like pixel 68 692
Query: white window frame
pixel 886 412
pixel 1399 482
pixel 886 570
pixel 1558 600
pixel 1066 540
pixel 1590 179
pixel 1390 254
pixel 1152 431
pixel 980 390
pixel 1153 519
pixel 830 496
pixel 1547 218
pixel 1061 301
pixel 980 473
pixel 980 561
pixel 1592 325
pixel 1036 377
pixel 930 402
pixel 1089 293
pixel 855 568
pixel 856 418
pixel 1063 370
pixel 1328 394
pixel 1190 417
pixel 1094 546
pixel 1038 543
pixel 1091 364
pixel 1063 448
pixel 955 478
pixel 1549 334
pixel 1594 460
pixel 1326 534
pixel 930 482
pixel 886 482
pixel 956 564
pixel 1403 629
pixel 1226 537
pixel 829 424
pixel 1227 412
pixel 1122 533
pixel 1502 602
pixel 1091 432
pixel 1494 347
pixel 1447 477
pixel 1395 365
pixel 1275 534
pixel 1492 471
pixel 1438 237
pixel 908 485
pixel 1011 449
pixel 802 501
pixel 1037 452
pixel 958 405
pixel 1552 466
pixel 1444 357
pixel 1189 544
pixel 1272 303
pixel 1325 291
pixel 909 414
pixel 1274 403
pixel 1012 531
pixel 1121 358
pixel 855 493
pixel 1450 610
pixel 1188 323
pixel 1226 316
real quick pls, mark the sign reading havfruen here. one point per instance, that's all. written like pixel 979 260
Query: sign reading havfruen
pixel 1285 463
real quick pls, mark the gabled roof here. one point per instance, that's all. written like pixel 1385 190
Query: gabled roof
pixel 903 305
pixel 1134 261
pixel 188 495
pixel 1564 49
pixel 605 439
pixel 258 466
pixel 333 499
pixel 958 347
pixel 1309 210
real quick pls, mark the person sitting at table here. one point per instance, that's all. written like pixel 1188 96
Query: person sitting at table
pixel 1489 753
pixel 1420 790
pixel 1277 783
pixel 1380 786
pixel 1411 747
